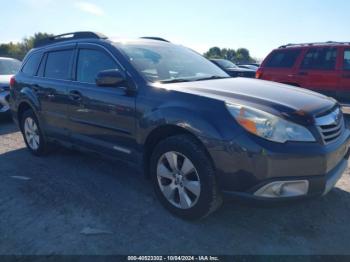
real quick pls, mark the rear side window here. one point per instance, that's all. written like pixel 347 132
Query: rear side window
pixel 41 69
pixel 320 58
pixel 58 64
pixel 91 62
pixel 347 59
pixel 283 58
pixel 31 66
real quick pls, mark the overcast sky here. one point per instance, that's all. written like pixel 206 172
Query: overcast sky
pixel 259 25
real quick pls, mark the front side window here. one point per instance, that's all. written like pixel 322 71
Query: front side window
pixel 58 64
pixel 168 63
pixel 347 59
pixel 320 58
pixel 283 58
pixel 91 62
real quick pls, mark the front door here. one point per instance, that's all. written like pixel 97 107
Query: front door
pixel 102 118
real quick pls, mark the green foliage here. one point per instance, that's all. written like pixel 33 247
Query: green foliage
pixel 19 50
pixel 239 56
pixel 214 52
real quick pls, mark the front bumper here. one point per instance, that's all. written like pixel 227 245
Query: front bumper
pixel 247 164
pixel 319 186
pixel 4 102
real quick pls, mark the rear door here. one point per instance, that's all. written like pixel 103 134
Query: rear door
pixel 52 82
pixel 280 66
pixel 319 71
pixel 344 90
pixel 101 118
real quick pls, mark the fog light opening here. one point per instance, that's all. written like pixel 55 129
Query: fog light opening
pixel 280 189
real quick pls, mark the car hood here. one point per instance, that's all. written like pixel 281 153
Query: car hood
pixel 5 79
pixel 280 99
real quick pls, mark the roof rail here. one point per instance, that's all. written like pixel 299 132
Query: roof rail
pixel 69 36
pixel 155 38
pixel 314 44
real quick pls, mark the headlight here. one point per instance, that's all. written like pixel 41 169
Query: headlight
pixel 269 126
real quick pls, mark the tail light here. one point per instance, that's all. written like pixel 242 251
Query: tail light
pixel 12 82
pixel 259 73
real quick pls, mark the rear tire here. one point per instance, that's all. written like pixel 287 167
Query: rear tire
pixel 32 134
pixel 184 178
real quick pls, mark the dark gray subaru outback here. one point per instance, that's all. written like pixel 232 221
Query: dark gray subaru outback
pixel 200 135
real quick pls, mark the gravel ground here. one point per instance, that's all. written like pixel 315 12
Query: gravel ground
pixel 73 203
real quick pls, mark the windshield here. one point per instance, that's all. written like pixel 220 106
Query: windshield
pixel 226 64
pixel 9 66
pixel 169 63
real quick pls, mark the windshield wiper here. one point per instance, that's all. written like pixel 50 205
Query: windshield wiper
pixel 179 80
pixel 211 77
pixel 175 80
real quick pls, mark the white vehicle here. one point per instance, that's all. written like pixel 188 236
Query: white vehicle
pixel 8 67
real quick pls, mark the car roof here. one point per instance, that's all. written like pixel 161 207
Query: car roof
pixel 122 41
pixel 316 44
pixel 94 37
pixel 8 58
pixel 114 41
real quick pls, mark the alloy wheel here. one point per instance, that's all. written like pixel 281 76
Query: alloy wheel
pixel 31 132
pixel 178 180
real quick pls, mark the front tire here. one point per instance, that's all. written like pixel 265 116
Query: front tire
pixel 33 137
pixel 184 178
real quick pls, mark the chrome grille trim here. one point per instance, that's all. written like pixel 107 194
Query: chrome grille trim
pixel 331 126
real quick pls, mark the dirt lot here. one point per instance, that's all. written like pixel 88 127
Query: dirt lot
pixel 72 203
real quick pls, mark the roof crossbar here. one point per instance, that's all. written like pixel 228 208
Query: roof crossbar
pixel 70 36
pixel 155 38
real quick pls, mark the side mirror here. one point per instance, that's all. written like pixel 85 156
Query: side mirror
pixel 110 78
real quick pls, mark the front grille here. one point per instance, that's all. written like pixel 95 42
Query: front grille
pixel 331 125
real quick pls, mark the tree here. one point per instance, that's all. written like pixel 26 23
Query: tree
pixel 19 50
pixel 214 52
pixel 228 54
pixel 243 56
pixel 239 56
pixel 10 50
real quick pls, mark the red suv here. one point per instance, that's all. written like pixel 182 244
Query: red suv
pixel 322 67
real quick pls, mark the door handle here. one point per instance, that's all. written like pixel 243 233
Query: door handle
pixel 303 73
pixel 75 96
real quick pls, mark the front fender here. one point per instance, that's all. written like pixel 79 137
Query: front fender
pixel 192 121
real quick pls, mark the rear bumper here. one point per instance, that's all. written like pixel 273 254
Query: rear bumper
pixel 4 102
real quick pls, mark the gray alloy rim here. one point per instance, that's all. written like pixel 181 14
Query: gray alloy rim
pixel 31 133
pixel 178 180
